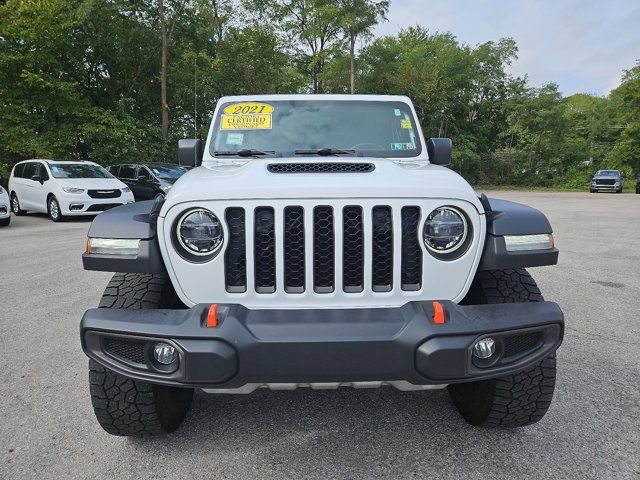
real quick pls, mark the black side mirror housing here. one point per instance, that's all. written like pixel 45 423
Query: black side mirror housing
pixel 37 178
pixel 190 152
pixel 439 150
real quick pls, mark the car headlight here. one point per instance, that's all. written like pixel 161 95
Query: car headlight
pixel 72 190
pixel 126 189
pixel 445 231
pixel 199 233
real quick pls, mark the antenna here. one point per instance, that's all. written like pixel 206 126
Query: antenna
pixel 195 97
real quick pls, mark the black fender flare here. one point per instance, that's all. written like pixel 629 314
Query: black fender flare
pixel 510 218
pixel 132 221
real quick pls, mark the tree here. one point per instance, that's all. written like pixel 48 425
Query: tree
pixel 173 10
pixel 359 18
pixel 313 30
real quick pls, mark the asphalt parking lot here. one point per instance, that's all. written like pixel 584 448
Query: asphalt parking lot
pixel 47 427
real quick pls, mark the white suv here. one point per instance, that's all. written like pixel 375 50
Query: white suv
pixel 63 189
pixel 5 212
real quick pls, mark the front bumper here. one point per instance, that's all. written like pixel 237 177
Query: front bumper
pixel 323 345
pixel 83 204
pixel 5 210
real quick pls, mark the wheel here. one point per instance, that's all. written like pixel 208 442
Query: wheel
pixel 53 208
pixel 128 407
pixel 5 222
pixel 15 205
pixel 591 190
pixel 514 400
pixel 619 191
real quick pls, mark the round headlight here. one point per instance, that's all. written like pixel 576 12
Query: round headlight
pixel 445 230
pixel 199 232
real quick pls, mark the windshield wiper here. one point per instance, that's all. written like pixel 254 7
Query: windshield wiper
pixel 325 152
pixel 245 152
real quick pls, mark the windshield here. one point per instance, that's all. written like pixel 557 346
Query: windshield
pixel 78 170
pixel 608 173
pixel 168 173
pixel 373 128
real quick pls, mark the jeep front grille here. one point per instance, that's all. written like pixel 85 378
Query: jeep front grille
pixel 327 230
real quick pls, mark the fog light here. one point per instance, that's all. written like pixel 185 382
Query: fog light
pixel 484 348
pixel 164 353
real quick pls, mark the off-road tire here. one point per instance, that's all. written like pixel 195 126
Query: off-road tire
pixel 15 206
pixel 129 407
pixel 514 400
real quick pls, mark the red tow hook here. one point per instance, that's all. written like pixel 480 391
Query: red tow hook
pixel 212 316
pixel 438 313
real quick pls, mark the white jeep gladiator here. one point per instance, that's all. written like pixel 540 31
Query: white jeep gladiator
pixel 319 241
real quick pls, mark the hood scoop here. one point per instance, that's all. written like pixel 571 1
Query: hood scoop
pixel 321 167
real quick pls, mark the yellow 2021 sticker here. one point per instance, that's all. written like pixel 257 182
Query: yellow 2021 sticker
pixel 406 123
pixel 246 116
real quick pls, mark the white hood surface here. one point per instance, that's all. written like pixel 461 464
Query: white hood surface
pixel 244 180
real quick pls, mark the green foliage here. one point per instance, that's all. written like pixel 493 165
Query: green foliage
pixel 81 79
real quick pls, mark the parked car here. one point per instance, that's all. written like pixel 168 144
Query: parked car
pixel 62 188
pixel 5 209
pixel 149 180
pixel 299 256
pixel 607 181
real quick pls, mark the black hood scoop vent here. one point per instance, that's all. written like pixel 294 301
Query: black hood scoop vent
pixel 323 167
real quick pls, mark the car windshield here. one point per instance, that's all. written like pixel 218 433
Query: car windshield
pixel 607 173
pixel 168 172
pixel 78 170
pixel 374 128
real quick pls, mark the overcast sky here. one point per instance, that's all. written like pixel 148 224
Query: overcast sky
pixel 582 45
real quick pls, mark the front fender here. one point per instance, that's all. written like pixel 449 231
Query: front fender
pixel 132 221
pixel 511 218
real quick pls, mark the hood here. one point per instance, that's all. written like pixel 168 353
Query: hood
pixel 91 183
pixel 241 180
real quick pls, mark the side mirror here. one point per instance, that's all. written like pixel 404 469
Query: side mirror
pixel 439 150
pixel 37 178
pixel 190 152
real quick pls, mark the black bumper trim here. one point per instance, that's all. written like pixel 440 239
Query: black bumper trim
pixel 328 345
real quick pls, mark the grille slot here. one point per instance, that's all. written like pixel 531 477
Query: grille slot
pixel 382 254
pixel 104 193
pixel 294 264
pixel 411 276
pixel 101 207
pixel 323 250
pixel 352 249
pixel 515 345
pixel 235 257
pixel 265 250
pixel 329 167
pixel 129 350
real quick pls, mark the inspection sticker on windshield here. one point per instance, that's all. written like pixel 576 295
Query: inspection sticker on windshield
pixel 402 146
pixel 406 124
pixel 235 138
pixel 246 116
